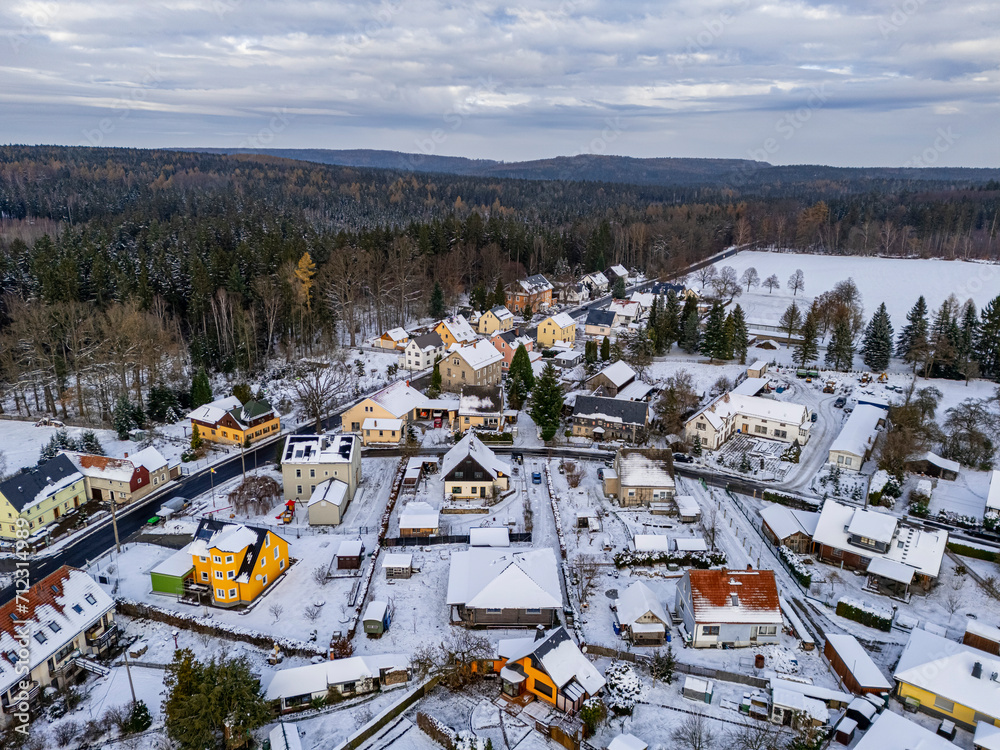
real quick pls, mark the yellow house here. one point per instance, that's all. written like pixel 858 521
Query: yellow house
pixel 40 496
pixel 551 667
pixel 556 328
pixel 455 330
pixel 944 678
pixel 236 561
pixel 497 319
pixel 383 416
pixel 227 420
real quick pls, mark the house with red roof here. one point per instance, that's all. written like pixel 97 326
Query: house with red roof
pixel 729 608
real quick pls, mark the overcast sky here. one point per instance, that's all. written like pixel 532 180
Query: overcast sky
pixel 867 82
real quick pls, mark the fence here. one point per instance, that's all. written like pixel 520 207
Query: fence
pixel 691 669
pixel 390 713
pixel 420 541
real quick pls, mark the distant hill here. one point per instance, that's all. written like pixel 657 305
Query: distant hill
pixel 625 169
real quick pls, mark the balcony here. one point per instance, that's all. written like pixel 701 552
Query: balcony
pixel 12 699
pixel 96 638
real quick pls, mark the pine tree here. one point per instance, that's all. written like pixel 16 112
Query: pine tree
pixel 520 378
pixel 201 389
pixel 618 289
pixel 965 359
pixel 807 349
pixel 877 345
pixel 121 417
pixel 740 334
pixel 436 381
pixel 242 392
pixel 668 324
pixel 691 334
pixel 988 342
pixel 652 325
pixel 696 447
pixel 605 349
pixel 713 343
pixel 547 402
pixel 840 352
pixel 435 307
pixel 791 320
pixel 943 339
pixel 196 439
pixel 912 344
pixel 499 295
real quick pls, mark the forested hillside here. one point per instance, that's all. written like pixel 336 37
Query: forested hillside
pixel 111 259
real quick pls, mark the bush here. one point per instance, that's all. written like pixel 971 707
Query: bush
pixel 788 500
pixel 139 719
pixel 974 552
pixel 701 560
pixel 66 733
pixel 865 615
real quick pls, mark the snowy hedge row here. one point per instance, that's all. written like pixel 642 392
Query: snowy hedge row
pixel 702 560
pixel 798 568
pixel 792 502
pixel 865 613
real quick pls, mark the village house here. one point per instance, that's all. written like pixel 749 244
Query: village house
pixel 734 413
pixel 573 293
pixel 310 461
pixel 558 328
pixel 394 338
pixel 612 378
pixel 641 477
pixel 471 470
pixel 850 660
pixel 789 528
pixel 534 292
pixel 228 421
pixel 602 418
pixel 480 407
pixel 297 687
pixel 614 273
pixel 895 555
pixel 496 320
pixel 640 617
pixel 507 342
pixel 40 495
pixel 476 364
pixel 943 678
pixel 600 324
pixel 625 311
pixel 69 620
pixel 729 608
pixel 396 402
pixel 422 351
pixel 597 283
pixel 509 587
pixel 123 480
pixel 238 562
pixel 419 519
pixel 638 391
pixel 455 330
pixel 852 447
pixel 551 667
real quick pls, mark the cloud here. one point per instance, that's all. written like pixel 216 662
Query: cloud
pixel 508 81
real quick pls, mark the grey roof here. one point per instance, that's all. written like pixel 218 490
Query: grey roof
pixel 661 288
pixel 432 339
pixel 600 318
pixel 23 488
pixel 629 412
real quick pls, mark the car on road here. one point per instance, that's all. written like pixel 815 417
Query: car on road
pixel 600 473
pixel 840 402
pixel 536 477
pixel 815 416
pixel 683 458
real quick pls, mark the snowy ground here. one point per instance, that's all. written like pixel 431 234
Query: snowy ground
pixel 21 443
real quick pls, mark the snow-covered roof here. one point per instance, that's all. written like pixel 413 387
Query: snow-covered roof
pixel 285 737
pixel 758 364
pixel 430 341
pixel 942 463
pixel 28 488
pixel 177 565
pixel 320 449
pixel 690 544
pixel 150 458
pixel 376 610
pixel 803 704
pixel 635 391
pixel 890 730
pixel 350 548
pixel 749 387
pixel 645 299
pixel 480 399
pixel 625 308
pixel 560 657
pixel 858 434
pixel 489 578
pixel 53 612
pixel 460 329
pixel 987 736
pixel 535 284
pixel 472 446
pixel 944 667
pixel 619 270
pixel 397 560
pixel 993 498
pixel 618 373
pixel 501 313
pixel 396 334
pixel 734 596
pixel 637 600
pixel 102 467
pixel 785 522
pixel 627 742
pixel 212 412
pixel 687 505
pixel 597 278
pixel 635 469
pixel 489 536
pixel 813 691
pixel 318 678
pixel 611 410
pixel 399 399
pixel 983 630
pixel 233 538
pixel 382 424
pixel 563 320
pixel 479 354
pixel 597 317
pixel 732 405
pixel 651 543
pixel 418 516
pixel 857 660
pixel 331 491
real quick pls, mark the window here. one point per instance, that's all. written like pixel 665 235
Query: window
pixel 760 429
pixel 232 593
pixel 263 561
pixel 781 433
pixel 944 704
pixel 229 558
pixel 90 599
pixel 710 630
pixel 264 580
pixel 216 559
pixel 533 611
pixel 700 425
pixel 838 553
pixel 231 574
pixel 298 473
pixel 276 553
pixel 456 490
pixel 281 565
pixel 220 594
pixel 298 489
pixel 542 688
pixel 312 473
pixel 767 630
pixel 40 637
pixel 840 459
pixel 203 558
pixel 204 575
pixel 267 541
pixel 847 461
pixel 218 575
pixel 78 609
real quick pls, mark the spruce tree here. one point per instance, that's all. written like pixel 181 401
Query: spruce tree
pixel 605 349
pixel 691 334
pixel 740 335
pixel 713 343
pixel 479 299
pixel 988 341
pixel 965 359
pixel 943 341
pixel 791 320
pixel 499 295
pixel 527 313
pixel 807 349
pixel 547 402
pixel 877 345
pixel 520 378
pixel 912 342
pixel 652 325
pixel 436 307
pixel 201 389
pixel 590 352
pixel 840 352
pixel 436 381
pixel 668 323
pixel 121 418
pixel 196 439
pixel 618 290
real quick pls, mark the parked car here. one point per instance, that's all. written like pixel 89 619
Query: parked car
pixel 600 473
pixel 536 477
pixel 840 402
pixel 683 458
pixel 815 416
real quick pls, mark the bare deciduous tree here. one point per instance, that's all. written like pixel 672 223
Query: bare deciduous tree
pixel 321 389
pixel 276 610
pixel 797 281
pixel 695 733
pixel 319 575
pixel 751 278
pixel 757 735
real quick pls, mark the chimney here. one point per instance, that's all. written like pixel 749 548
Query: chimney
pixel 539 633
pixel 749 566
pixel 126 454
pixel 977 670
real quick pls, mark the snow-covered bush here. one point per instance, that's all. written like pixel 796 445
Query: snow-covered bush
pixel 797 567
pixel 623 687
pixel 866 614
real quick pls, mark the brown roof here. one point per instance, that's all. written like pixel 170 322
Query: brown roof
pixel 712 592
pixel 44 592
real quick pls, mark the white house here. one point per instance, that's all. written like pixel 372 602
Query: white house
pixel 729 608
pixel 297 687
pixel 422 351
pixel 504 587
pixel 641 617
pixel 857 437
pixel 734 413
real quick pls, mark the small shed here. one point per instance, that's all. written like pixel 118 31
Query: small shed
pixel 862 711
pixel 982 636
pixel 168 577
pixel 568 359
pixel 853 665
pixel 987 736
pixel 627 742
pixel 790 708
pixel 397 565
pixel 482 536
pixel 933 465
pixel 697 689
pixel 651 543
pixel 689 544
pixel 757 369
pixel 611 484
pixel 419 519
pixel 349 554
pixel 687 508
pixel 285 737
pixel 844 734
pixel 376 618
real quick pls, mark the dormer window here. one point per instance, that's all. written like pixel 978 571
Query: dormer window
pixel 90 599
pixel 734 600
pixel 78 609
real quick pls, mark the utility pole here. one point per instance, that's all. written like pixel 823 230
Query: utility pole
pixel 114 525
pixel 211 476
pixel 128 671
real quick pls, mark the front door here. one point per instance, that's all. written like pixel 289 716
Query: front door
pixel 482 492
pixel 746 429
pixel 97 495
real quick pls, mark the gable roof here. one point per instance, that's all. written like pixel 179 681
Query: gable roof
pixel 624 307
pixel 396 334
pixel 500 312
pixel 560 657
pixel 418 515
pixel 785 522
pixel 637 600
pixel 619 373
pixel 399 399
pixel 492 577
pixel 425 341
pixel 479 355
pixel 600 318
pixel 858 662
pixel 756 595
pixel 730 405
pixel 460 328
pixel 331 491
pixel 102 467
pixel 637 469
pixel 251 410
pixel 535 284
pixel 231 537
pixel 472 447
pixel 562 320
pixel 611 409
pixel 316 678
pixel 859 432
pixel 890 730
pixel 212 412
pixel 28 488
pixel 150 458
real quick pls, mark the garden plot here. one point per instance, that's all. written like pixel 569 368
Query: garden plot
pixel 762 457
pixel 962 498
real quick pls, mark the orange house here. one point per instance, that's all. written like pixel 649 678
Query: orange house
pixel 549 666
pixel 236 561
pixel 535 291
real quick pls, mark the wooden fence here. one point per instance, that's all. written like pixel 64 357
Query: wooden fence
pixel 691 669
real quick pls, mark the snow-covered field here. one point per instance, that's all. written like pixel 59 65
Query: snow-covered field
pixel 21 442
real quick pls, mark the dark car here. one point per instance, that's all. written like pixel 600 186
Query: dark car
pixel 600 473
pixel 840 402
pixel 815 416
pixel 683 458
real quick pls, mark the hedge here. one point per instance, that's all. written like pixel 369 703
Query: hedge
pixel 979 554
pixel 702 560
pixel 865 617
pixel 791 502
